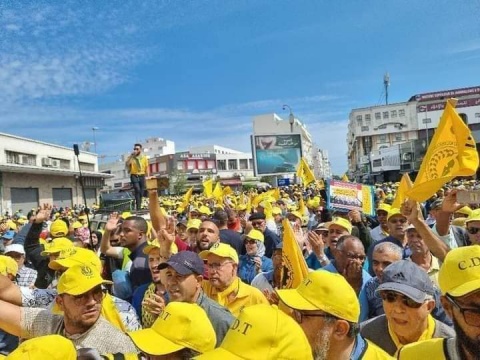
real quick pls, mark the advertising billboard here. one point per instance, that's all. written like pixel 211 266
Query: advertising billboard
pixel 276 154
pixel 350 196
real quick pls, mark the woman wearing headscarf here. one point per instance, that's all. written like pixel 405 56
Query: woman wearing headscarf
pixel 254 261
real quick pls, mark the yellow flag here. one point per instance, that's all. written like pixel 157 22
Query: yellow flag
pixel 294 266
pixel 227 190
pixel 345 178
pixel 186 198
pixel 451 153
pixel 218 192
pixel 276 193
pixel 401 195
pixel 301 207
pixel 207 188
pixel 321 184
pixel 304 172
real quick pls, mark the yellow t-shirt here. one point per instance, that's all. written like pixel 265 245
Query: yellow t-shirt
pixel 426 335
pixel 237 296
pixel 138 165
pixel 374 352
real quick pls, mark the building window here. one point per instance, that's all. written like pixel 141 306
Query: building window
pixel 64 164
pixel 243 164
pixel 162 167
pixel 201 164
pixel 378 116
pixel 399 137
pixel 477 115
pixel 393 113
pixel 377 163
pixel 222 165
pixel 382 138
pixel 191 165
pixel 367 117
pixel 250 163
pixel 464 117
pixel 20 159
pixel 401 112
pixel 364 128
pixel 232 164
pixel 385 114
pixel 87 166
pixel 210 164
pixel 180 165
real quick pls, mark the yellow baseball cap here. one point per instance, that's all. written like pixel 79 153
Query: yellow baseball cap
pixel 384 207
pixel 8 266
pixel 276 210
pixel 58 228
pixel 126 214
pixel 180 325
pixel 460 272
pixel 155 245
pixel 473 216
pixel 296 213
pixel 465 211
pixel 82 217
pixel 79 279
pixel 347 225
pixel 11 225
pixel 256 235
pixel 325 291
pixel 54 347
pixel 393 212
pixel 194 224
pixel 57 245
pixel 262 332
pixel 77 225
pixel 241 207
pixel 204 210
pixel 222 250
pixel 77 256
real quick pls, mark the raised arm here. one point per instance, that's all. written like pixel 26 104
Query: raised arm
pixel 105 247
pixel 10 318
pixel 10 292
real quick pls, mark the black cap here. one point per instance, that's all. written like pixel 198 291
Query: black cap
pixel 257 216
pixel 184 263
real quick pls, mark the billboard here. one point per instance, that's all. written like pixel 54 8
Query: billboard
pixel 276 154
pixel 350 196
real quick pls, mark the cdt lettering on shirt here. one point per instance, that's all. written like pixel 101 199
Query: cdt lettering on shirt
pixel 307 282
pixel 474 261
pixel 241 326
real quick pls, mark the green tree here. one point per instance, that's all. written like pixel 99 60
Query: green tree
pixel 178 181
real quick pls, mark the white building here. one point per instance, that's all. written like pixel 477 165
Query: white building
pixel 321 164
pixel 230 163
pixel 154 147
pixel 34 172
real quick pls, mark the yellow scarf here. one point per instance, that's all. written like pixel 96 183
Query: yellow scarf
pixel 426 335
pixel 148 318
pixel 229 294
pixel 109 311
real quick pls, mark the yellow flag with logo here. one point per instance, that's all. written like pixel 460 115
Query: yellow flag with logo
pixel 186 198
pixel 304 172
pixel 218 192
pixel 294 269
pixel 345 178
pixel 451 153
pixel 401 195
pixel 227 190
pixel 207 188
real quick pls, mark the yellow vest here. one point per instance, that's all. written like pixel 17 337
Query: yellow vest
pixel 138 165
pixel 428 349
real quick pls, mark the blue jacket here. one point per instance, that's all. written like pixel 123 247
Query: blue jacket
pixel 246 267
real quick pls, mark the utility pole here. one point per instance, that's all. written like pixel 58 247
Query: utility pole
pixel 386 83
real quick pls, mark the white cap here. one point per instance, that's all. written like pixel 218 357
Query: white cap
pixel 15 248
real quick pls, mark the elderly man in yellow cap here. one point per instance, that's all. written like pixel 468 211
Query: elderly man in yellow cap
pixel 181 331
pixel 254 261
pixel 80 295
pixel 380 232
pixel 327 309
pixel 459 280
pixel 262 332
pixel 223 284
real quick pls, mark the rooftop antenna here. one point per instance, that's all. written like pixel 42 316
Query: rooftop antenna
pixel 386 83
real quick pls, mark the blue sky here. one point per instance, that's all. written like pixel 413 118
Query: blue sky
pixel 197 71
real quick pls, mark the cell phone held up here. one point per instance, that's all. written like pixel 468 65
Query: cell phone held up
pixel 468 196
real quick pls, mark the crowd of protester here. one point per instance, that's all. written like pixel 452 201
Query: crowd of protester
pixel 203 277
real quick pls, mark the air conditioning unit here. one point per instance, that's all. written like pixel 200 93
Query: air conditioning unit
pixel 46 162
pixel 23 159
pixel 55 163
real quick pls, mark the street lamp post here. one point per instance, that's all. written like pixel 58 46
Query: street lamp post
pixel 94 139
pixel 291 117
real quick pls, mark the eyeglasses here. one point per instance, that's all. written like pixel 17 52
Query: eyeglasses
pixel 470 315
pixel 298 316
pixel 391 297
pixel 321 232
pixel 136 148
pixel 250 241
pixel 97 293
pixel 257 223
pixel 217 266
pixel 354 256
pixel 396 221
pixel 473 230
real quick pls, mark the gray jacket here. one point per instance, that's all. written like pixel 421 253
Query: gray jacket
pixel 376 330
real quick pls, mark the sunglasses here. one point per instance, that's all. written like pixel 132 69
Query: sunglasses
pixel 249 241
pixel 257 223
pixel 391 297
pixel 473 230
